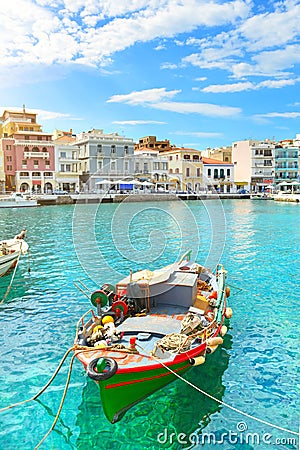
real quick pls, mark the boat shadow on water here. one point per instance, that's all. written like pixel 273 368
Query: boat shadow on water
pixel 157 421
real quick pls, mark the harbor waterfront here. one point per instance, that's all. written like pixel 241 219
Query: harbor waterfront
pixel 254 371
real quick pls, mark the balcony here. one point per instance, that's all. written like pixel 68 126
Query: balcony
pixel 44 155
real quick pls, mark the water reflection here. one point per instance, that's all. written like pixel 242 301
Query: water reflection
pixel 174 409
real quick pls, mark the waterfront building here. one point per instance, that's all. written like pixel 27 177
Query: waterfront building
pixel 103 156
pixel 185 168
pixel 217 175
pixel 222 154
pixel 28 153
pixel 151 166
pixel 66 162
pixel 286 162
pixel 150 143
pixel 2 173
pixel 254 164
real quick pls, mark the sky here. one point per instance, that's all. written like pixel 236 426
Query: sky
pixel 198 73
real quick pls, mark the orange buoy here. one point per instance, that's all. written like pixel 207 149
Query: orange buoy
pixel 227 291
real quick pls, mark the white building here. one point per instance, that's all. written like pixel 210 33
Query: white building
pixel 103 156
pixel 66 164
pixel 151 166
pixel 217 175
pixel 254 164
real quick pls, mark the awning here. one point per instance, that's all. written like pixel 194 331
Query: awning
pixel 241 183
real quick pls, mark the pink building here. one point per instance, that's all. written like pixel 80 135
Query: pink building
pixel 28 153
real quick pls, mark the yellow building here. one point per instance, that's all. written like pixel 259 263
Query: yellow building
pixel 185 168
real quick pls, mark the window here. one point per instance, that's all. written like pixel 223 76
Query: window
pixel 9 158
pixel 113 165
pixel 63 154
pixel 171 171
pixel 137 167
pixel 113 149
pixel 99 148
pixel 209 173
pixel 176 170
pixel 24 163
pixel 198 172
pixel 164 166
pixel 195 157
pixel 8 147
pixel 222 173
pixel 35 149
pixel 170 158
pixel 35 163
pixel 9 167
pixel 126 165
pixel 215 173
pixel 68 167
pixel 186 157
pixel 62 168
pixel 228 172
pixel 47 163
pixel 267 162
pixel 26 149
pixel 126 151
pixel 24 174
pixel 145 167
pixel 187 171
pixel 155 166
pixel 99 165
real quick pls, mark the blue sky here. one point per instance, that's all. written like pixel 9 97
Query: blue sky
pixel 201 74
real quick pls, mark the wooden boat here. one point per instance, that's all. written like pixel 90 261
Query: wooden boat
pixel 17 200
pixel 10 251
pixel 150 327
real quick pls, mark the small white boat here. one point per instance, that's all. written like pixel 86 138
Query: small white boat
pixel 17 200
pixel 10 251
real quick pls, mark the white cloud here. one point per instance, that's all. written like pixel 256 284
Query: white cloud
pixel 138 122
pixel 234 87
pixel 247 85
pixel 200 134
pixel 284 115
pixel 143 97
pixel 42 115
pixel 154 98
pixel 265 44
pixel 88 32
pixel 205 109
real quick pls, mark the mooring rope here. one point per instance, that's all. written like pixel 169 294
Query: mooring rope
pixel 12 278
pixel 217 400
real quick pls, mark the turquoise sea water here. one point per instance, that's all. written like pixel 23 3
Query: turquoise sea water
pixel 256 370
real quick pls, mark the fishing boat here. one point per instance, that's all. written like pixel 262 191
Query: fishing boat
pixel 11 250
pixel 149 328
pixel 17 200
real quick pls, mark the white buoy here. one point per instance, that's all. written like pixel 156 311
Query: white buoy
pixel 223 330
pixel 228 313
pixel 211 342
pixel 197 361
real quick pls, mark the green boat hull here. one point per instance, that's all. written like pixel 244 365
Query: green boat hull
pixel 122 391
